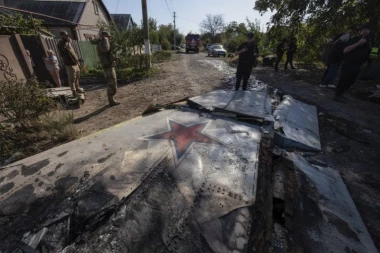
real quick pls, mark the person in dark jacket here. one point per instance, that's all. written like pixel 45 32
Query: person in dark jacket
pixel 281 48
pixel 292 49
pixel 70 59
pixel 335 58
pixel 248 52
pixel 356 53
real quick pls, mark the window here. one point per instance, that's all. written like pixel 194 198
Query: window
pixel 96 8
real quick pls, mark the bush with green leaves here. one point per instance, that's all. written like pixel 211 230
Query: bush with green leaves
pixel 29 120
pixel 23 102
pixel 161 56
pixel 18 24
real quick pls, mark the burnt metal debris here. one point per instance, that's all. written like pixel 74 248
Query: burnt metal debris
pixel 199 177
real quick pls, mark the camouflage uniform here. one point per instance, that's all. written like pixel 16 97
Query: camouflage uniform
pixel 108 62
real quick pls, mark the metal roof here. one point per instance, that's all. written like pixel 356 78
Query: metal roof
pixel 122 20
pixel 67 10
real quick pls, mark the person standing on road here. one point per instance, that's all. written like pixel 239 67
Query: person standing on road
pixel 108 61
pixel 292 48
pixel 51 63
pixel 70 59
pixel 335 58
pixel 281 48
pixel 247 52
pixel 356 53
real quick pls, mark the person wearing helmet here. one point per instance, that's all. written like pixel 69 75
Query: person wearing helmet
pixel 247 52
pixel 70 59
pixel 108 62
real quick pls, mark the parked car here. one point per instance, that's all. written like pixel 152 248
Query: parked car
pixel 207 47
pixel 217 50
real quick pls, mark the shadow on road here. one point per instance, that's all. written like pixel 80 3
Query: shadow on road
pixel 97 112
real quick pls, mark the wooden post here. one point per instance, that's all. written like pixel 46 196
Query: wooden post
pixel 34 25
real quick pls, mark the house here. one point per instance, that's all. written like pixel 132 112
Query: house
pixel 123 21
pixel 78 17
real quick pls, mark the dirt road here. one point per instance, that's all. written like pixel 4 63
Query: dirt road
pixel 186 75
pixel 350 133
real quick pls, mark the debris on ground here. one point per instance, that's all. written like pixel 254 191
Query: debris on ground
pixel 202 177
pixel 65 96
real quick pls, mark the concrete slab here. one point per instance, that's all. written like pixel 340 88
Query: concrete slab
pixel 327 219
pixel 297 125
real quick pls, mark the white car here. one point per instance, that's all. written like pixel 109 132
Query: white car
pixel 217 50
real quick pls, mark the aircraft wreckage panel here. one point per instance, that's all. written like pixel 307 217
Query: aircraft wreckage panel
pixel 243 103
pixel 327 218
pixel 202 168
pixel 297 125
pixel 211 100
pixel 248 103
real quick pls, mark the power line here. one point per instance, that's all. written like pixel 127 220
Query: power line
pixel 117 6
pixel 167 5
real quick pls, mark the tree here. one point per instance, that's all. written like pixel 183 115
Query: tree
pixel 314 21
pixel 166 35
pixel 18 24
pixel 213 24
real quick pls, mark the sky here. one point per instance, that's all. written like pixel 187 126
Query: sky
pixel 189 12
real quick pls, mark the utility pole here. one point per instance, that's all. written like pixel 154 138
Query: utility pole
pixel 146 32
pixel 174 32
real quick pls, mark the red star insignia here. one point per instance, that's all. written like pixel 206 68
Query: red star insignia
pixel 183 136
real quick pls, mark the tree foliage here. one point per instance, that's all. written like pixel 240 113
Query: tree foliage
pixel 166 36
pixel 18 24
pixel 234 34
pixel 313 22
pixel 213 24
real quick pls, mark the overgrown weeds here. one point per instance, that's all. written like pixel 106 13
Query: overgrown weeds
pixel 161 56
pixel 30 122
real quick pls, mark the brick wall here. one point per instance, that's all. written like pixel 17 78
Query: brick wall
pixel 89 17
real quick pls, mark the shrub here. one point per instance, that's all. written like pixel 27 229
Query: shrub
pixel 266 52
pixel 138 61
pixel 161 56
pixel 31 124
pixel 59 125
pixel 93 73
pixel 165 44
pixel 23 102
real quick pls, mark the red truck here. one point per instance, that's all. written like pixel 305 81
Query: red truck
pixel 192 43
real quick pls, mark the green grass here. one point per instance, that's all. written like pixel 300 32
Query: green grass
pixel 162 56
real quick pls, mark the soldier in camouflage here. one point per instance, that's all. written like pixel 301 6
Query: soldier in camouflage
pixel 108 62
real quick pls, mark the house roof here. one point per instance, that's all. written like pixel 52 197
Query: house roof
pixel 122 20
pixel 70 10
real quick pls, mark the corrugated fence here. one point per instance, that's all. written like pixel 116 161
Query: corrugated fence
pixel 52 45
